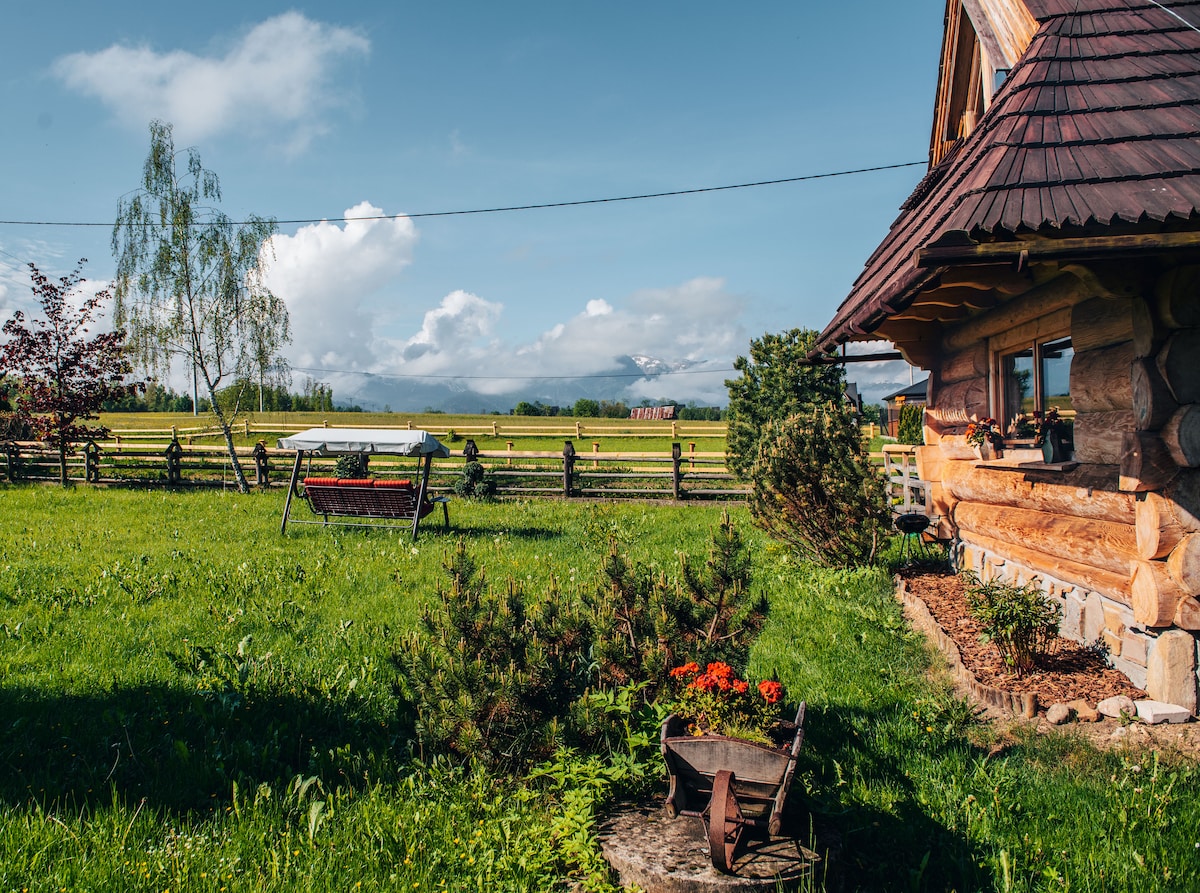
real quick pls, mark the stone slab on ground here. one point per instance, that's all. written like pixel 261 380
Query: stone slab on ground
pixel 1155 712
pixel 663 855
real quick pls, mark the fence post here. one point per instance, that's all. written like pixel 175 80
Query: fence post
pixel 91 462
pixel 568 466
pixel 12 458
pixel 247 421
pixel 692 451
pixel 510 446
pixel 595 449
pixel 676 474
pixel 174 454
pixel 262 468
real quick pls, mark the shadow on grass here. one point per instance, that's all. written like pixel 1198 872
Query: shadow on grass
pixel 867 847
pixel 429 532
pixel 182 751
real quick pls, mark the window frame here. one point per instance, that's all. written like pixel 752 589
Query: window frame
pixel 1033 335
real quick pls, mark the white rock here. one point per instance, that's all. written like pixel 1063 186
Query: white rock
pixel 1058 714
pixel 1154 712
pixel 1116 705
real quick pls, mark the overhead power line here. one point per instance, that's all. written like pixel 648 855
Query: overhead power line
pixel 534 207
pixel 501 376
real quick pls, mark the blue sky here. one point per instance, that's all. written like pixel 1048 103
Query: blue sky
pixel 333 110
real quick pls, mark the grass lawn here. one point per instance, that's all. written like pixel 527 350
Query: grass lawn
pixel 190 701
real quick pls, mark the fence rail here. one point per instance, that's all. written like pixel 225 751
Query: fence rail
pixel 680 474
pixel 573 430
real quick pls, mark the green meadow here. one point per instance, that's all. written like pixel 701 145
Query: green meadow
pixel 191 702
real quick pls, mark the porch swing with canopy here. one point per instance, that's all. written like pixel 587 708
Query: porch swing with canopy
pixel 372 502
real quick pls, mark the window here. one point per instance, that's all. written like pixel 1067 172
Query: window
pixel 1032 380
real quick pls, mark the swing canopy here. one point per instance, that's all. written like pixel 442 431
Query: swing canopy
pixel 385 441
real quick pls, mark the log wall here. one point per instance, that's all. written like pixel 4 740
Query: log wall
pixel 1124 525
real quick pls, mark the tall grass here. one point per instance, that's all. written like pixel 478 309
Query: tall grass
pixel 189 701
pixel 912 793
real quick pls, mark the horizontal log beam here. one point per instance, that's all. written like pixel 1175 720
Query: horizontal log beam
pixel 1104 545
pixel 957 248
pixel 1107 583
pixel 1085 492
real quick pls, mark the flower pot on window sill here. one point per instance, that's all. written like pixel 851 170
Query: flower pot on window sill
pixel 987 451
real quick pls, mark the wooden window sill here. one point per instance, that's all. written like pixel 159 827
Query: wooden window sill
pixel 1022 465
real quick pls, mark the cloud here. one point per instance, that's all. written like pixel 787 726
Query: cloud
pixel 327 275
pixel 337 279
pixel 692 325
pixel 454 328
pixel 277 76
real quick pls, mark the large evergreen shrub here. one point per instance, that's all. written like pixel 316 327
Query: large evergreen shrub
pixel 777 381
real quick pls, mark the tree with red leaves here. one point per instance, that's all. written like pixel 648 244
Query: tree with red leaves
pixel 63 376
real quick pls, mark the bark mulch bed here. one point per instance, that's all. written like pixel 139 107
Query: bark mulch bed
pixel 1072 672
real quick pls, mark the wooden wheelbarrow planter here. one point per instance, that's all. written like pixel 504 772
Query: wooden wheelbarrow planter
pixel 728 783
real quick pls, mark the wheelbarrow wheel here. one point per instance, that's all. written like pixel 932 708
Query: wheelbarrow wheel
pixel 725 822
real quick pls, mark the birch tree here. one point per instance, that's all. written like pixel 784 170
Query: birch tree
pixel 189 286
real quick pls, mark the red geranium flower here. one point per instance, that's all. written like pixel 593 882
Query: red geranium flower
pixel 771 690
pixel 691 668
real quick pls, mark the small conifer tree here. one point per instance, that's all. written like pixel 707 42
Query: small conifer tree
pixel 815 490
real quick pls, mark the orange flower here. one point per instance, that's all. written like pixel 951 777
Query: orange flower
pixel 771 690
pixel 691 668
pixel 740 686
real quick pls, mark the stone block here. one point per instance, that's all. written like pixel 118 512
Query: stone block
pixel 1114 620
pixel 1171 669
pixel 1135 646
pixel 1071 626
pixel 1112 642
pixel 1093 618
pixel 1136 673
pixel 1057 714
pixel 1154 712
pixel 1085 712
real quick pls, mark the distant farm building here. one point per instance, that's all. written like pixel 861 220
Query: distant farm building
pixel 654 413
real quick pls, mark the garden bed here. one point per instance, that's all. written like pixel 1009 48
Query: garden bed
pixel 1071 672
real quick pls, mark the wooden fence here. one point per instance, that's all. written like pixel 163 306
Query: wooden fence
pixel 683 473
pixel 562 428
pixel 680 474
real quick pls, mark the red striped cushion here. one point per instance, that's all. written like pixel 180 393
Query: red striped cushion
pixel 401 484
pixel 321 482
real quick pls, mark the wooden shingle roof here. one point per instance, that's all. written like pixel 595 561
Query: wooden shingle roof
pixel 1096 129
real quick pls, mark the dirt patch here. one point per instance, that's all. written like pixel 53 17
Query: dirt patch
pixel 1071 672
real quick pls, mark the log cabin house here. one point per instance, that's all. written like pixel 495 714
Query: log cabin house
pixel 1051 258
